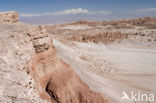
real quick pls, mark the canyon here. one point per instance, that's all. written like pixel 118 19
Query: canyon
pixel 78 62
pixel 31 71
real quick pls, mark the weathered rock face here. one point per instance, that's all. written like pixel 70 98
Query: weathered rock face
pixel 40 39
pixel 27 50
pixel 105 37
pixel 58 83
pixel 56 80
pixel 16 51
pixel 9 17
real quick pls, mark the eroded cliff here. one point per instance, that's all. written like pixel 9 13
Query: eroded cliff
pixel 29 66
pixel 56 80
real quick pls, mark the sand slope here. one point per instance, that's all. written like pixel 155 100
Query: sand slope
pixel 113 68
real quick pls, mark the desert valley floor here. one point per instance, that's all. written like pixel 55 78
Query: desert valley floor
pixel 78 62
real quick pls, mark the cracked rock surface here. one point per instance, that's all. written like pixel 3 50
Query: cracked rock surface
pixel 16 51
pixel 31 72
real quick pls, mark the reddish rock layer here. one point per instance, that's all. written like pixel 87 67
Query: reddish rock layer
pixel 58 83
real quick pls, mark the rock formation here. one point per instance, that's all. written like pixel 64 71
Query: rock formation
pixel 16 51
pixel 27 51
pixel 56 80
pixel 9 17
pixel 105 37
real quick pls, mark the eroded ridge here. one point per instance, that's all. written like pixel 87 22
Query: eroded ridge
pixel 56 80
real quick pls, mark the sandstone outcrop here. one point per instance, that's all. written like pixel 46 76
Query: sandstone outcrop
pixel 148 22
pixel 16 51
pixel 29 66
pixel 56 80
pixel 105 37
pixel 9 17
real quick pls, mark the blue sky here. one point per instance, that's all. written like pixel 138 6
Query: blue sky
pixel 39 6
pixel 91 9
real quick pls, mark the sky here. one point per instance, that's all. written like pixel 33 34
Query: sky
pixel 60 11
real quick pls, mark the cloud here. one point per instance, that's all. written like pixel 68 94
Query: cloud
pixel 71 11
pixel 66 12
pixel 29 15
pixel 101 12
pixel 143 11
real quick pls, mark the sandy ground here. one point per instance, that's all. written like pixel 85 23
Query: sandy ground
pixel 74 27
pixel 114 68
